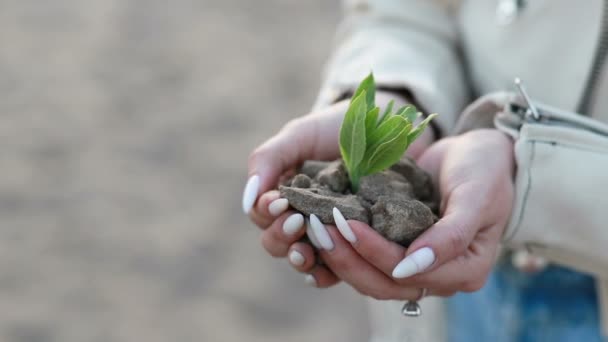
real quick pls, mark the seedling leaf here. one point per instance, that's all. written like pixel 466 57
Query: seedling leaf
pixel 409 112
pixel 387 112
pixel 371 120
pixel 388 153
pixel 352 133
pixel 415 133
pixel 368 86
pixel 370 143
pixel 388 129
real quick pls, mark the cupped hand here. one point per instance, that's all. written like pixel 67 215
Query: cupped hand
pixel 474 172
pixel 310 137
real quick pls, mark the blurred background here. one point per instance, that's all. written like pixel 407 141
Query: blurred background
pixel 124 131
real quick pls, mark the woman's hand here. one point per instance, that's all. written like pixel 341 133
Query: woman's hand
pixel 311 137
pixel 474 172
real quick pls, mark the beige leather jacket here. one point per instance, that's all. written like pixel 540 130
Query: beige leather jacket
pixel 447 55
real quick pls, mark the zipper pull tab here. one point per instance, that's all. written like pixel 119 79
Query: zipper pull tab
pixel 532 110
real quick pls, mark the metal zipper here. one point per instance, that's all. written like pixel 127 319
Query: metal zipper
pixel 529 112
pixel 598 63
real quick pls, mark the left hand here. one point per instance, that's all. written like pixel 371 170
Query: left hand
pixel 474 172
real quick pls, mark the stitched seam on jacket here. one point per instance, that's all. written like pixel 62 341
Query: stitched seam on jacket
pixel 524 203
pixel 579 147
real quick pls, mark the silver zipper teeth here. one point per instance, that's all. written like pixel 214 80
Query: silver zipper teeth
pixel 598 63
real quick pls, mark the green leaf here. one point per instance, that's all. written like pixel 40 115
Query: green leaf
pixel 368 86
pixel 352 133
pixel 409 112
pixel 370 120
pixel 387 112
pixel 415 133
pixel 388 129
pixel 387 153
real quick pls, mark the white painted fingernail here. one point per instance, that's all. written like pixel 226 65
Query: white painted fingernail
pixel 296 258
pixel 414 263
pixel 250 194
pixel 278 206
pixel 311 235
pixel 310 280
pixel 343 226
pixel 293 224
pixel 321 233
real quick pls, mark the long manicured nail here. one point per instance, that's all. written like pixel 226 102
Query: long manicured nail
pixel 414 263
pixel 310 280
pixel 343 226
pixel 321 233
pixel 278 206
pixel 296 258
pixel 293 223
pixel 311 235
pixel 250 194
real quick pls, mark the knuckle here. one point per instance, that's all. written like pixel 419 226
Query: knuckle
pixel 256 154
pixel 271 246
pixel 457 240
pixel 293 124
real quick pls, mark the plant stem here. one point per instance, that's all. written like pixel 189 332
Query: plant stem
pixel 354 182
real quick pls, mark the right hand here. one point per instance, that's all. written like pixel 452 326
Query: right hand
pixel 310 137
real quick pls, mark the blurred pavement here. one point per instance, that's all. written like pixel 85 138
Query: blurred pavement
pixel 124 131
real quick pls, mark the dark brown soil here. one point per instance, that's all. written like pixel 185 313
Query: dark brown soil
pixel 399 203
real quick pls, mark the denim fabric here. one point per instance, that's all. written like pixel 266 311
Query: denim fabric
pixel 555 305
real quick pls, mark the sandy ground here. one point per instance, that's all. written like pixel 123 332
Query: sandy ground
pixel 124 131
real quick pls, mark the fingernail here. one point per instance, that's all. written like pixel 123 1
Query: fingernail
pixel 343 226
pixel 310 280
pixel 278 206
pixel 311 235
pixel 250 194
pixel 321 233
pixel 296 258
pixel 414 263
pixel 293 224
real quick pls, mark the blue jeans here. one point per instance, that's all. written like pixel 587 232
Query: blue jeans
pixel 555 305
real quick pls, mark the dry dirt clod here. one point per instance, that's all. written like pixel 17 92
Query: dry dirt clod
pixel 384 183
pixel 312 167
pixel 334 176
pixel 301 181
pixel 390 201
pixel 322 204
pixel 420 180
pixel 401 220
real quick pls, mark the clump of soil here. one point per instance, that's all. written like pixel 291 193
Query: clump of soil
pixel 399 203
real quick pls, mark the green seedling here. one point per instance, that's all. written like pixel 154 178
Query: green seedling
pixel 371 141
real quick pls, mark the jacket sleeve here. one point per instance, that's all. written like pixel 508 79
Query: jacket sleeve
pixel 408 44
pixel 559 211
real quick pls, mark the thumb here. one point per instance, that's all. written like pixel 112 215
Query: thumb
pixel 447 239
pixel 301 139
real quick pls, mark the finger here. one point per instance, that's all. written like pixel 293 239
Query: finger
pixel 466 273
pixel 308 137
pixel 301 256
pixel 321 277
pixel 349 266
pixel 267 208
pixel 282 233
pixel 374 248
pixel 385 255
pixel 448 238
